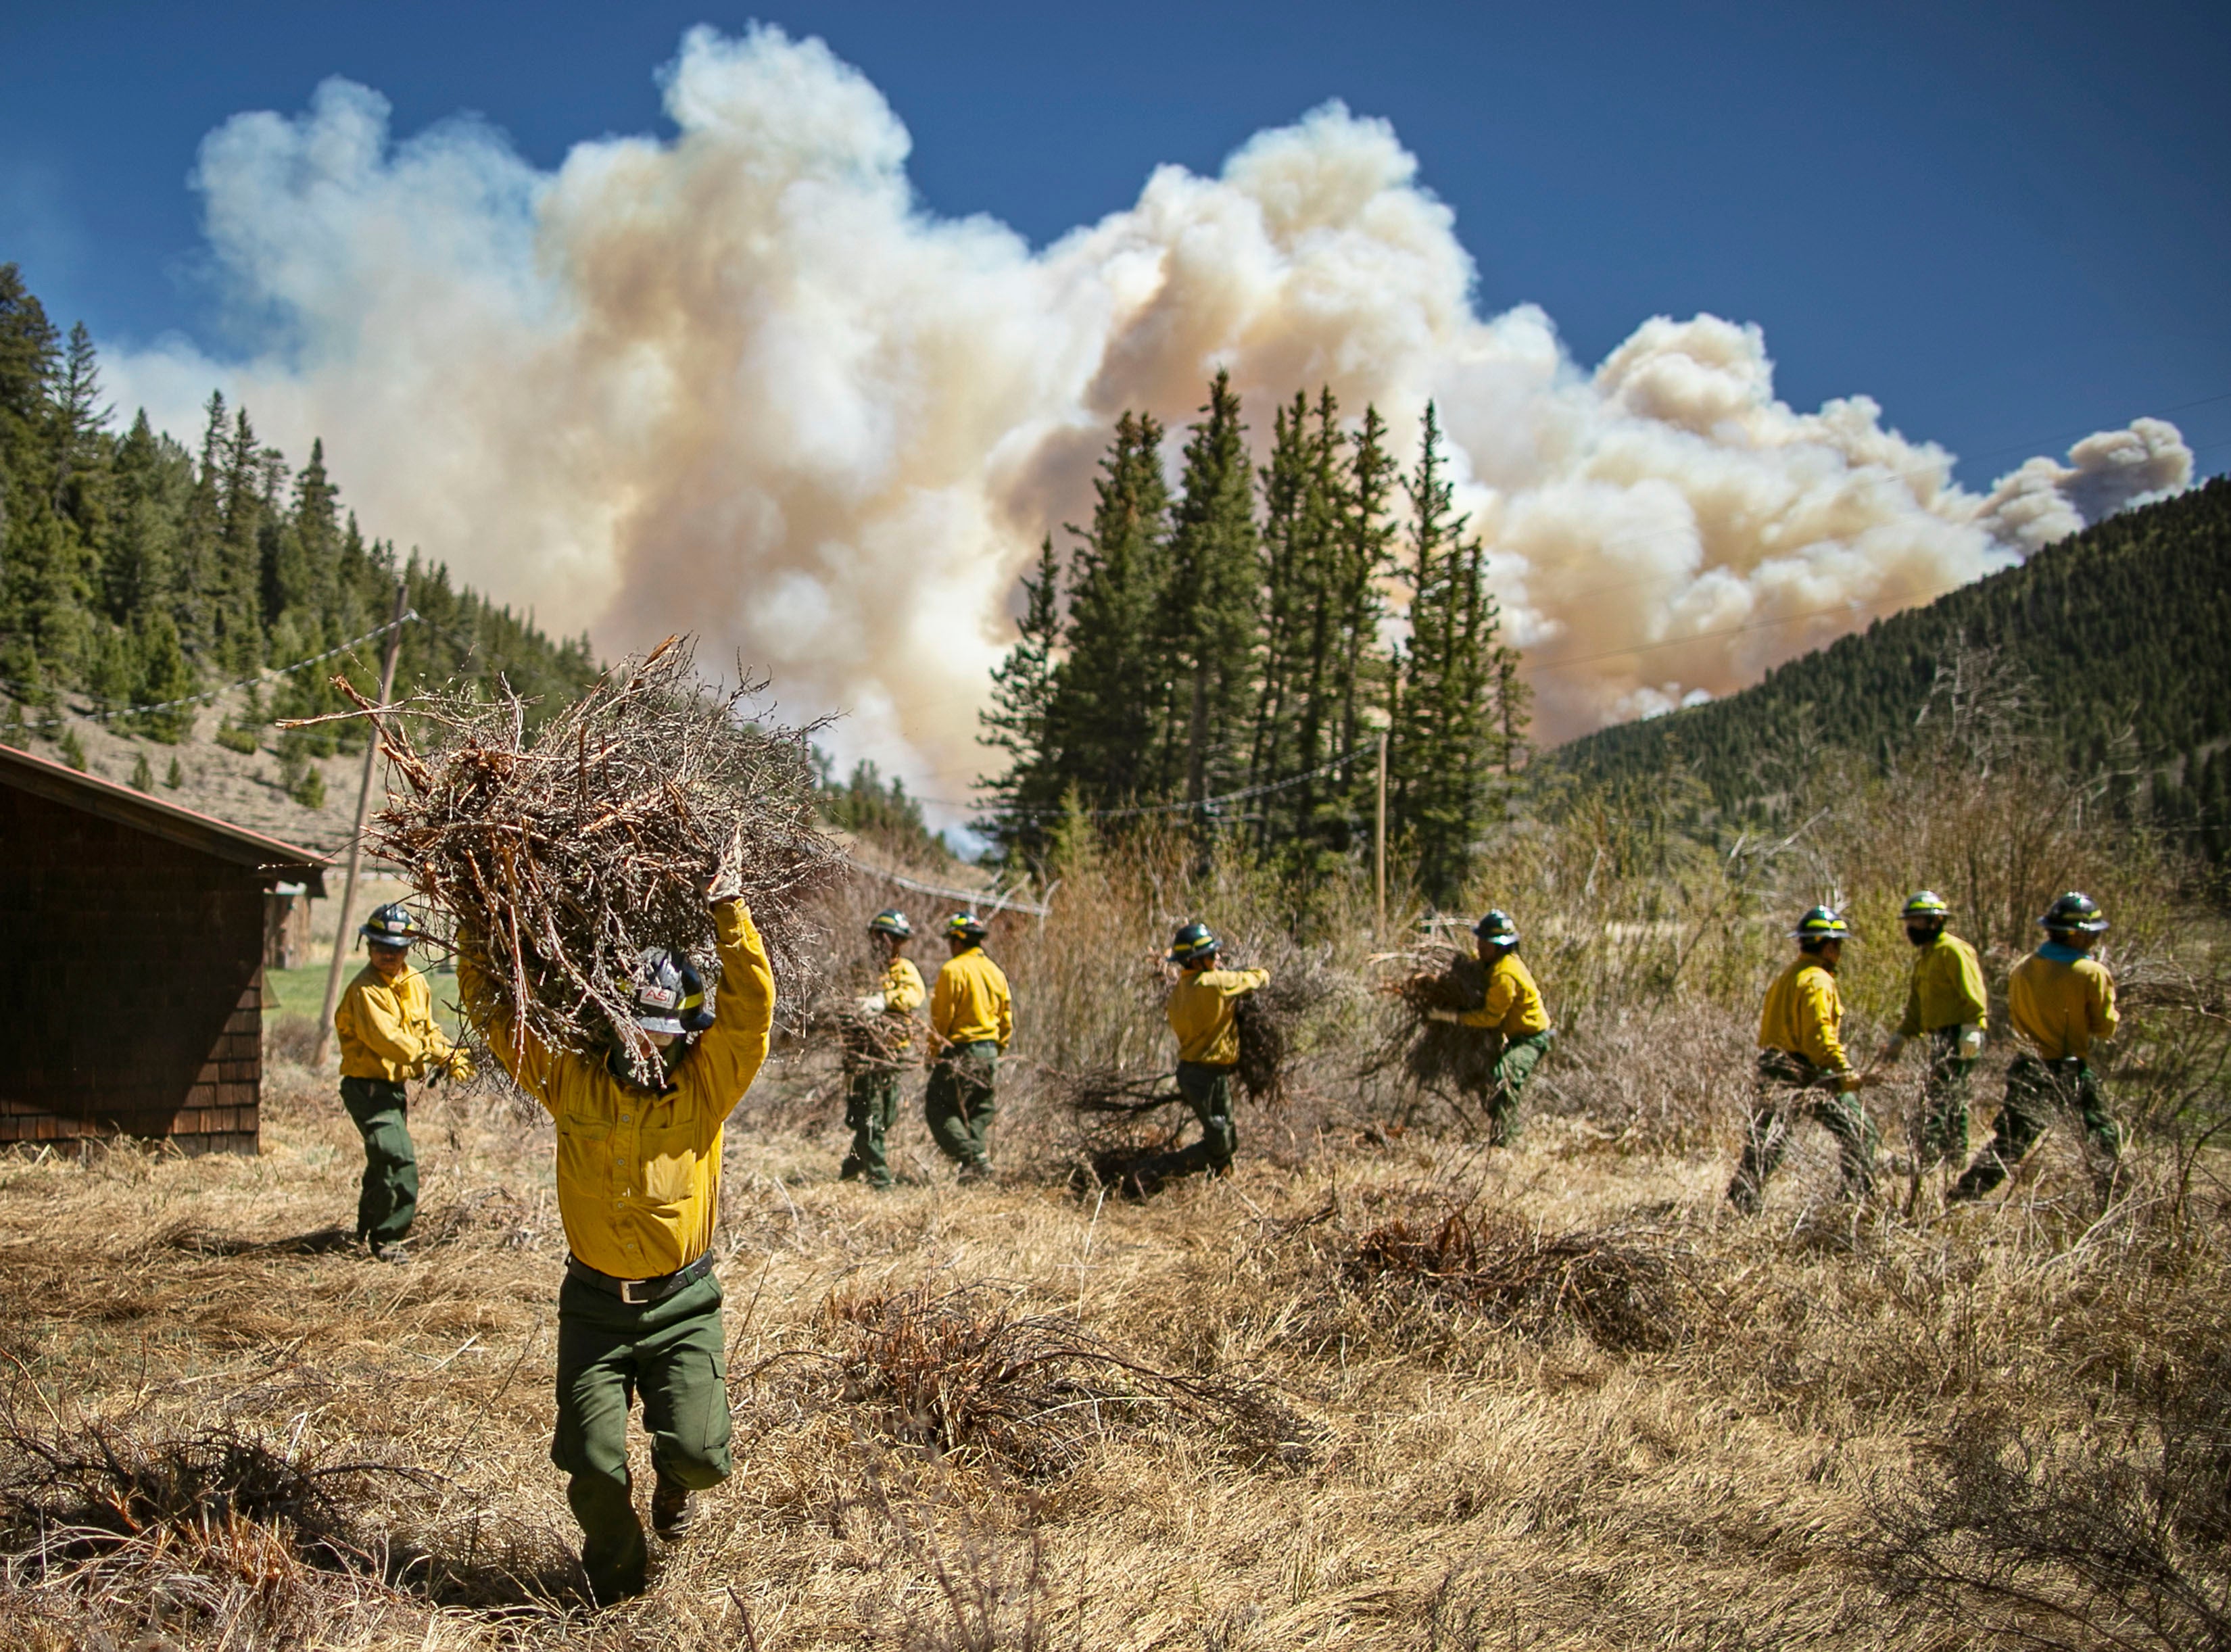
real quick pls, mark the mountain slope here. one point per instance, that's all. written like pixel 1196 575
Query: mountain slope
pixel 2125 625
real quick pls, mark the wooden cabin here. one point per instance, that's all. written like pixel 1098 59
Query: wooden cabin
pixel 136 951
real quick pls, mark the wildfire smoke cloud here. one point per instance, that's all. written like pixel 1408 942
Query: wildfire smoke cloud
pixel 739 382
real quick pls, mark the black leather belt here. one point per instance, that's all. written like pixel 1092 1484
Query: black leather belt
pixel 637 1292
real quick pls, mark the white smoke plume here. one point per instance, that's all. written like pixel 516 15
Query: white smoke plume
pixel 739 382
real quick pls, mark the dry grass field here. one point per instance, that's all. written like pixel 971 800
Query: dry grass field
pixel 1378 1389
pixel 1381 1388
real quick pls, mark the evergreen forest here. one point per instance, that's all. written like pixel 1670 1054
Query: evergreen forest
pixel 1216 651
pixel 136 574
pixel 2116 637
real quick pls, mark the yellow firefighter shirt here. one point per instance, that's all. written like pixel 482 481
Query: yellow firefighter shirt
pixel 971 1002
pixel 639 1174
pixel 1203 1013
pixel 2060 1008
pixel 902 993
pixel 1804 1015
pixel 388 1031
pixel 1514 1004
pixel 1947 990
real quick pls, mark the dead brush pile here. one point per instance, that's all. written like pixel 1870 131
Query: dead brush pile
pixel 558 854
pixel 1628 1289
pixel 211 1536
pixel 963 1376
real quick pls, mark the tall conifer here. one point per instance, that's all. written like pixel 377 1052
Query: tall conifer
pixel 1211 618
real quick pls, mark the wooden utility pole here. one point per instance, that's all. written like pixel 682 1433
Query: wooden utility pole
pixel 356 837
pixel 1377 842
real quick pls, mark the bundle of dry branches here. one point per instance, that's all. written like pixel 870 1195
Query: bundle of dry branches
pixel 559 854
pixel 1621 1285
pixel 1271 1017
pixel 960 1372
pixel 1437 1056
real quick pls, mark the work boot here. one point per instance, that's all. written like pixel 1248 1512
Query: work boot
pixel 671 1514
pixel 388 1250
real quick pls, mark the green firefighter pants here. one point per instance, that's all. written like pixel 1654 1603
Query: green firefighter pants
pixel 871 1102
pixel 389 1198
pixel 2036 1089
pixel 671 1350
pixel 960 1105
pixel 1944 1100
pixel 1512 1068
pixel 1791 1087
pixel 1207 1091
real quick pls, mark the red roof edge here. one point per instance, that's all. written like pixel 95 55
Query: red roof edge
pixel 60 783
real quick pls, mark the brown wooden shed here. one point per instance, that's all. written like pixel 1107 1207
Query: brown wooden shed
pixel 135 962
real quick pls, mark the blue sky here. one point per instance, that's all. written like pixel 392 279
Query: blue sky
pixel 2007 223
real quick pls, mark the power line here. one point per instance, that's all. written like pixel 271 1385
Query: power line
pixel 259 678
pixel 1051 810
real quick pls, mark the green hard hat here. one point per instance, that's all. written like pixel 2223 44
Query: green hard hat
pixel 2075 912
pixel 1821 924
pixel 1497 929
pixel 1193 941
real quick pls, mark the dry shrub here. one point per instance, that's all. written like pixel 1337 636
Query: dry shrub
pixel 961 1375
pixel 213 1534
pixel 290 1039
pixel 1660 1078
pixel 2110 1535
pixel 1625 1287
pixel 559 854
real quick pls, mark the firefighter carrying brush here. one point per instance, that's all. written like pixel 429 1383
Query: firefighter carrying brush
pixel 388 1033
pixel 639 1190
pixel 1802 1069
pixel 1513 1012
pixel 1203 1012
pixel 875 1056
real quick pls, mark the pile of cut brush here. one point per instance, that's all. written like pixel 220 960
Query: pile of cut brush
pixel 963 1375
pixel 1626 1288
pixel 558 854
pixel 1438 1056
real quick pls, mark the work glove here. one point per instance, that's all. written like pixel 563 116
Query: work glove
pixel 873 1004
pixel 725 880
pixel 1449 1015
pixel 459 1067
pixel 1893 1049
pixel 1971 1041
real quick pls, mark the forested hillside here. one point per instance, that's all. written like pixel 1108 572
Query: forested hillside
pixel 2124 628
pixel 1216 655
pixel 135 574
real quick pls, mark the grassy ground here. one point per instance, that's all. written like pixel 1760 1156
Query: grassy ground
pixel 1381 1388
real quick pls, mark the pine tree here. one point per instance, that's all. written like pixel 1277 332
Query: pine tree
pixel 196 574
pixel 1211 621
pixel 1104 706
pixel 238 585
pixel 1017 720
pixel 1443 738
